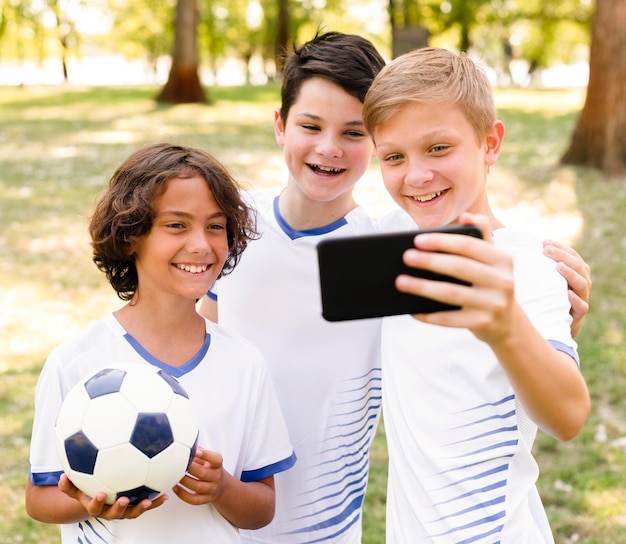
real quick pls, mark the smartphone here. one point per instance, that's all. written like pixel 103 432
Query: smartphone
pixel 357 275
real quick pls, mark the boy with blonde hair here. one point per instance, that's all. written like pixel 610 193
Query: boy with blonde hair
pixel 465 391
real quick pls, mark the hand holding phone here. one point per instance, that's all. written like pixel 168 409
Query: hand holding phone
pixel 357 275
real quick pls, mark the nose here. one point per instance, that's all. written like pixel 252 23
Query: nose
pixel 328 146
pixel 418 172
pixel 198 241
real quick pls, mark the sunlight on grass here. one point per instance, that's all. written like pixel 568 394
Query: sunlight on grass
pixel 608 506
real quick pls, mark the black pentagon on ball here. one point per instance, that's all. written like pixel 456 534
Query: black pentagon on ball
pixel 174 384
pixel 105 382
pixel 138 494
pixel 81 453
pixel 152 433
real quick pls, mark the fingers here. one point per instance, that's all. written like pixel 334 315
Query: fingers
pixel 463 257
pixel 486 305
pixel 578 311
pixel 203 481
pixel 96 506
pixel 572 266
pixel 578 275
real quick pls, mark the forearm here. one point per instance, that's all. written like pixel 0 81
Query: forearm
pixel 49 505
pixel 247 505
pixel 547 382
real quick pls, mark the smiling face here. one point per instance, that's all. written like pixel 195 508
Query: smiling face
pixel 327 149
pixel 433 164
pixel 187 245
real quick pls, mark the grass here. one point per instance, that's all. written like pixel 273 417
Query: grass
pixel 59 145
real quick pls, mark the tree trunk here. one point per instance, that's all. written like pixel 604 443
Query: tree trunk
pixel 599 140
pixel 183 84
pixel 282 35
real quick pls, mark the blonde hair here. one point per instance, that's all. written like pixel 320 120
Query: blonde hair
pixel 431 76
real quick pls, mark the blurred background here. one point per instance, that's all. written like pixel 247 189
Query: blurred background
pixel 241 41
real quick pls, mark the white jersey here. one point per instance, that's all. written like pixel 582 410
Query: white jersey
pixel 327 375
pixel 238 413
pixel 461 467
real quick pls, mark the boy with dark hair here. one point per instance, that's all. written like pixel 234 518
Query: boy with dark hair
pixel 327 375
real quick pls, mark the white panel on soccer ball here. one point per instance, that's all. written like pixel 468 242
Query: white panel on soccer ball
pixel 90 485
pixel 183 420
pixel 109 420
pixel 122 468
pixel 168 467
pixel 147 392
pixel 72 411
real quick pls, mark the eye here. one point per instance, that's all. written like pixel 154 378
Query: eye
pixel 216 226
pixel 355 134
pixel 174 225
pixel 393 157
pixel 310 127
pixel 439 148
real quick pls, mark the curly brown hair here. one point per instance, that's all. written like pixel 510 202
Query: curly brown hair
pixel 126 211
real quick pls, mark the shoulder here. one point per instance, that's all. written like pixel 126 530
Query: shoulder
pixel 517 239
pixel 396 221
pixel 526 250
pixel 359 221
pixel 262 200
pixel 96 338
pixel 238 348
pixel 97 346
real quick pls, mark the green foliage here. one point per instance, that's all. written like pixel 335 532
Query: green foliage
pixel 541 32
pixel 59 147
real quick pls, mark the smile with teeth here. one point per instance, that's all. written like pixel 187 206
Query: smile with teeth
pixel 325 170
pixel 194 269
pixel 427 198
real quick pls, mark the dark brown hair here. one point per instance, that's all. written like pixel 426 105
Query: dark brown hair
pixel 125 211
pixel 347 60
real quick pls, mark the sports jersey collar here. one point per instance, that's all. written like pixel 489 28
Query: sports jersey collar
pixel 295 234
pixel 177 372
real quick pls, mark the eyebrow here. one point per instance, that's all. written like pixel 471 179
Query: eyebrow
pixel 312 116
pixel 177 213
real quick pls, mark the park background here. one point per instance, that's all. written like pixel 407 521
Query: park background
pixel 82 86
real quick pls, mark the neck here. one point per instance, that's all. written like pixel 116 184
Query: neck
pixel 173 337
pixel 303 213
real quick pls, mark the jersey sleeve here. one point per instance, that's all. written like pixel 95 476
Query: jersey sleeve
pixel 270 450
pixel 45 467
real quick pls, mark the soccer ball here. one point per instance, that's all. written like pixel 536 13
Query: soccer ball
pixel 126 432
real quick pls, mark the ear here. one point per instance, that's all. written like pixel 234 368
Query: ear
pixel 129 249
pixel 494 140
pixel 279 128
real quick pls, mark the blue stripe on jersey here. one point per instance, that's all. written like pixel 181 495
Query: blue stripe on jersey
pixel 46 478
pixel 94 530
pixel 177 372
pixel 355 504
pixel 269 470
pixel 484 476
pixel 565 349
pixel 337 482
pixel 294 234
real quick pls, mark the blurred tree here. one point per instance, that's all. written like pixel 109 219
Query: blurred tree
pixel 282 34
pixel 599 139
pixel 542 29
pixel 66 32
pixel 140 28
pixel 183 84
